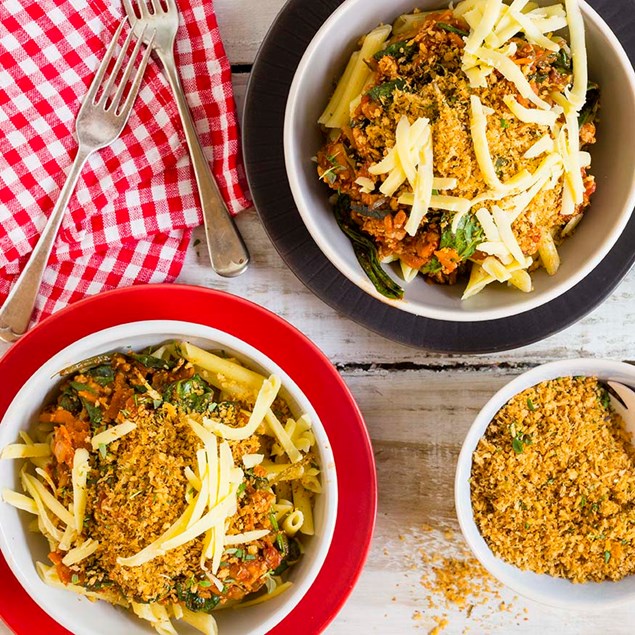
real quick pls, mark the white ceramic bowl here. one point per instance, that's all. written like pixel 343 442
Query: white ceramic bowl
pixel 613 165
pixel 22 548
pixel 542 588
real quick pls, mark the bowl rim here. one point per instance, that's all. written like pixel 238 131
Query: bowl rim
pixel 161 327
pixel 462 491
pixel 354 273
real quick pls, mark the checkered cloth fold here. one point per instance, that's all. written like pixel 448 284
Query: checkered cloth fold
pixel 130 218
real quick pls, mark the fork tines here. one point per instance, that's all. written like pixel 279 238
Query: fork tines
pixel 99 93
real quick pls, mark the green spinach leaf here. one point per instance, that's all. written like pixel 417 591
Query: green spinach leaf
pixel 94 412
pixel 385 90
pixel 398 50
pixel 591 106
pixel 365 251
pixel 150 361
pixel 193 394
pixel 102 375
pixel 452 29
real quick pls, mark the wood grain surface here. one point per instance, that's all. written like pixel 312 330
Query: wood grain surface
pixel 418 407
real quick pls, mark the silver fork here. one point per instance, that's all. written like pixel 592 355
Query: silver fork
pixel 99 122
pixel 227 251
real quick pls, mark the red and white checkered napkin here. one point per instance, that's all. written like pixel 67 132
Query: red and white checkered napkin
pixel 130 218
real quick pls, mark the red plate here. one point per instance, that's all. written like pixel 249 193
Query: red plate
pixel 300 358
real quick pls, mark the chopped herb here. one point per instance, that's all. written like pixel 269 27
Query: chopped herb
pixel 75 578
pixel 193 394
pixel 563 62
pixel 526 525
pixel 241 488
pixel 125 413
pixel 249 557
pixel 193 601
pixel 539 78
pixel 239 553
pixel 582 501
pixel 530 405
pixel 605 398
pixel 274 521
pixel 259 482
pixel 102 450
pixel 204 583
pixel 504 123
pixel 518 445
pixel 280 542
pixel 452 29
pixel 499 164
pixel 607 556
pixel 329 175
pixel 519 439
pixel 469 234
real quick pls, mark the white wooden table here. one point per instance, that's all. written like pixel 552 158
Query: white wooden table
pixel 418 407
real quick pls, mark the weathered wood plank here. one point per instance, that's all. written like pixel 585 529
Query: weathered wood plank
pixel 243 25
pixel 604 333
pixel 417 421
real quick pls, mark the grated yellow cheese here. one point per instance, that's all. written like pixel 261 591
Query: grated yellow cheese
pixel 491 15
pixel 530 115
pixel 543 145
pixel 478 128
pixel 512 73
pixel 112 434
pixel 248 536
pixel 577 95
pixel 77 554
pixel 265 398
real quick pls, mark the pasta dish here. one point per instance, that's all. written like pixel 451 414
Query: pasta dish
pixel 172 482
pixel 455 143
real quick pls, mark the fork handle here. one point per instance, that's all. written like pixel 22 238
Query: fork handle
pixel 15 314
pixel 227 250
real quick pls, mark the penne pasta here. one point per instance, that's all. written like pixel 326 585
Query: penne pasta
pixel 359 75
pixel 178 445
pixel 410 22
